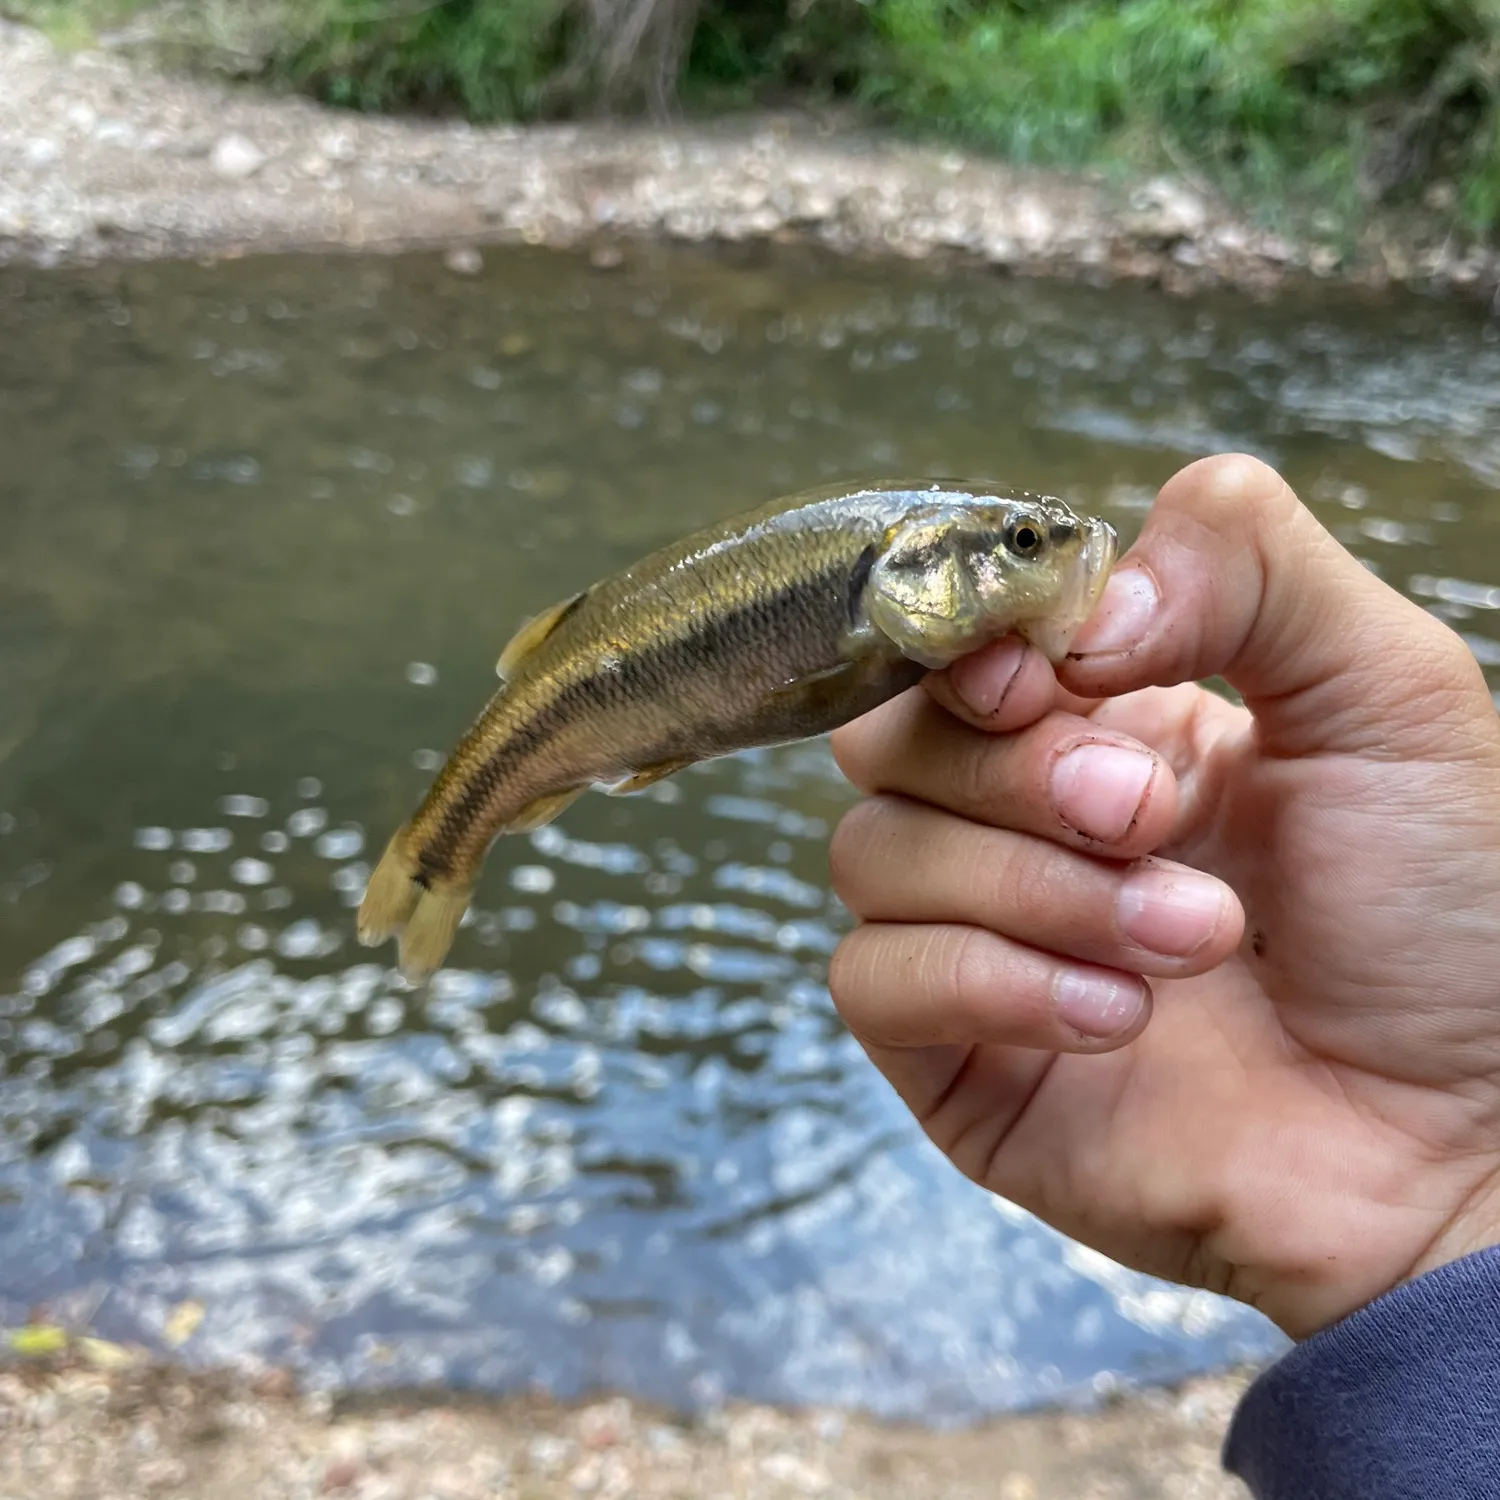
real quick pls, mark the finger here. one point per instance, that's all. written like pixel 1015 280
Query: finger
pixel 1062 778
pixel 913 985
pixel 1002 687
pixel 1182 724
pixel 900 861
pixel 1233 576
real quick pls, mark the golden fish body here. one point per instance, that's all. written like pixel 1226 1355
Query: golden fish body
pixel 770 627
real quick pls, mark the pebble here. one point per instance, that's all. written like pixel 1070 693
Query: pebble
pixel 236 156
pixel 788 1469
pixel 1166 210
pixel 464 260
pixel 341 1474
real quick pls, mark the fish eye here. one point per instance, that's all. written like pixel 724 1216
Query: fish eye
pixel 1024 537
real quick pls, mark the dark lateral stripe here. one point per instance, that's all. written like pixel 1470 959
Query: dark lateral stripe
pixel 719 639
pixel 858 578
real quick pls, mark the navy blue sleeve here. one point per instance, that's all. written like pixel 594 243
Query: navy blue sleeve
pixel 1399 1401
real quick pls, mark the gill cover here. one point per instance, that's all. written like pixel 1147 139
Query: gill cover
pixel 921 596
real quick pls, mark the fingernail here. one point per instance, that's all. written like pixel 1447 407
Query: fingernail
pixel 983 679
pixel 1123 615
pixel 1170 911
pixel 1096 1003
pixel 1097 789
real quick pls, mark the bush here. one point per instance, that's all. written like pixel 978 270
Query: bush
pixel 488 59
pixel 518 59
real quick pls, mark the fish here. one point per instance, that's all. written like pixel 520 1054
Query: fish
pixel 774 626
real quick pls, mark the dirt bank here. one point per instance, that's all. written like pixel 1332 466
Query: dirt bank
pixel 101 158
pixel 84 1434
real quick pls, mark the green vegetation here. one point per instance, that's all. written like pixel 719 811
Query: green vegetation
pixel 1346 103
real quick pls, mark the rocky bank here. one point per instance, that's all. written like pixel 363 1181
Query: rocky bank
pixel 101 157
pixel 75 1433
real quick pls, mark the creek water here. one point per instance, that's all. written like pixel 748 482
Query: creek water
pixel 267 525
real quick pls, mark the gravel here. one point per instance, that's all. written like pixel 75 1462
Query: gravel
pixel 69 1432
pixel 101 157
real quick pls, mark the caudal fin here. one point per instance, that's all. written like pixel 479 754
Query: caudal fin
pixel 397 904
pixel 391 895
pixel 430 931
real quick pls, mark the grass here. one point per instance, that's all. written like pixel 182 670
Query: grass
pixel 1346 104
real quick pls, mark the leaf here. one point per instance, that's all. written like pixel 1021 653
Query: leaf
pixel 37 1339
pixel 104 1355
pixel 182 1323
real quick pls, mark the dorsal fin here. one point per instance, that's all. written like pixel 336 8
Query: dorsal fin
pixel 534 632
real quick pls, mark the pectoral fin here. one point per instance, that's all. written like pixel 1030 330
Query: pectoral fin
pixel 819 701
pixel 843 671
pixel 648 777
pixel 541 812
pixel 534 632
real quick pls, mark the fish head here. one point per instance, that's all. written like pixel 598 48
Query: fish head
pixel 956 576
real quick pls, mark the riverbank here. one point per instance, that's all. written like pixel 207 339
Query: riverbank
pixel 72 1432
pixel 105 158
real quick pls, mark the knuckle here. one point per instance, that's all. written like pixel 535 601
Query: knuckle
pixel 968 974
pixel 1455 665
pixel 978 772
pixel 862 851
pixel 1016 880
pixel 1248 487
pixel 847 967
pixel 1436 665
pixel 847 849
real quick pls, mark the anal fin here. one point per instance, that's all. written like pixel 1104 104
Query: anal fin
pixel 541 812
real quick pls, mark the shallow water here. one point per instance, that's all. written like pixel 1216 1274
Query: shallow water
pixel 267 526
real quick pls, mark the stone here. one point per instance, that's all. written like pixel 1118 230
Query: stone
pixel 1165 210
pixel 464 260
pixel 236 156
pixel 796 1473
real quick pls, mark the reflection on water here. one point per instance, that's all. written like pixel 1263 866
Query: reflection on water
pixel 267 527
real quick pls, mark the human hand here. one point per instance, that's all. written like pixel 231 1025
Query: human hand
pixel 1299 1104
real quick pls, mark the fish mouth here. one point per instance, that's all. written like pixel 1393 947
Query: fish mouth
pixel 1053 634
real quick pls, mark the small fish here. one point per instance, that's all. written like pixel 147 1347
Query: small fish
pixel 771 627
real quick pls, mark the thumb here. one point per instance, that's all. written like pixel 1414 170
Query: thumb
pixel 1233 576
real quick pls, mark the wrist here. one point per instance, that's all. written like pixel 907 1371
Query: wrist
pixel 1475 1227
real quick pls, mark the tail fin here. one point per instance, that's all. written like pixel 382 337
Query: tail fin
pixel 397 903
pixel 391 895
pixel 430 931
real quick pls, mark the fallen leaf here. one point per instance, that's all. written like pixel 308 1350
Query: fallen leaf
pixel 182 1323
pixel 37 1339
pixel 104 1355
